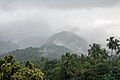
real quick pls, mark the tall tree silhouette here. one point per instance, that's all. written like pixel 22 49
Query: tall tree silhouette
pixel 95 52
pixel 114 45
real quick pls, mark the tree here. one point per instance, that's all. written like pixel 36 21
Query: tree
pixel 12 70
pixel 117 46
pixel 9 67
pixel 97 53
pixel 115 73
pixel 89 75
pixel 102 69
pixel 113 45
pixel 28 74
pixel 70 67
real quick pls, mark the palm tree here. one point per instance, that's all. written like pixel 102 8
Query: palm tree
pixel 111 45
pixel 95 52
pixel 117 46
pixel 114 45
pixel 104 56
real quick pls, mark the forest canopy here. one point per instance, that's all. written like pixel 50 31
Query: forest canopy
pixel 99 64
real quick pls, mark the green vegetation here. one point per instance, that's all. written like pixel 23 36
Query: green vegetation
pixel 22 55
pixel 99 64
pixel 12 70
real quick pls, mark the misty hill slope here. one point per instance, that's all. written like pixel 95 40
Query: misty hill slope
pixel 60 43
pixel 50 51
pixel 69 40
pixel 53 51
pixel 26 32
pixel 55 46
pixel 25 54
pixel 7 46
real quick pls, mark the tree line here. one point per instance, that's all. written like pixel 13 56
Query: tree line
pixel 99 64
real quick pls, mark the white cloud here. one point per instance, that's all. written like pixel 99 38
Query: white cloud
pixel 97 21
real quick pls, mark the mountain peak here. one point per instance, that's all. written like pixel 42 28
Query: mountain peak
pixel 69 40
pixel 65 32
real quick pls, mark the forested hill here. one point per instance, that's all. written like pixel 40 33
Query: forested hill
pixel 69 40
pixel 99 64
pixel 50 51
pixel 25 54
pixel 54 47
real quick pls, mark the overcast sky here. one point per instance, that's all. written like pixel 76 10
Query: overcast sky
pixel 98 18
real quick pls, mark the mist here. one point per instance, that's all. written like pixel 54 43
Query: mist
pixel 22 20
pixel 59 39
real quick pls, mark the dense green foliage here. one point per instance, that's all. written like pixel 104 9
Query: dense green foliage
pixel 12 70
pixel 99 64
pixel 22 55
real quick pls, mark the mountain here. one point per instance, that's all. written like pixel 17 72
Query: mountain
pixel 25 54
pixel 69 40
pixel 50 51
pixel 62 42
pixel 7 46
pixel 26 33
pixel 53 51
pixel 55 46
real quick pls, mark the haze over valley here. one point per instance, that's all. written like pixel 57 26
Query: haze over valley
pixel 74 26
pixel 59 39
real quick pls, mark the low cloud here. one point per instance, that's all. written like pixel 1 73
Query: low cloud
pixel 57 4
pixel 91 19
